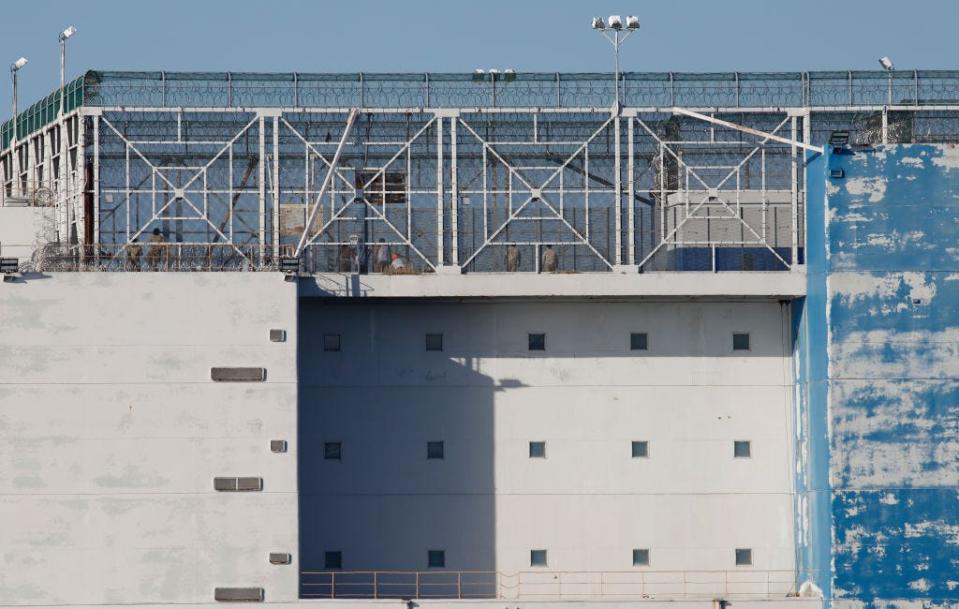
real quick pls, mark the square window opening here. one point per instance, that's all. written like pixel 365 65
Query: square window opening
pixel 744 557
pixel 331 342
pixel 435 450
pixel 333 560
pixel 537 558
pixel 742 449
pixel 434 342
pixel 740 341
pixel 641 557
pixel 537 450
pixel 537 342
pixel 638 341
pixel 436 559
pixel 640 449
pixel 333 451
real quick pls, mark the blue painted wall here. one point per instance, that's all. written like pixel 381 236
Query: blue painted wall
pixel 885 280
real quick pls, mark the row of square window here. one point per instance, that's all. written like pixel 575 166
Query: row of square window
pixel 638 341
pixel 537 450
pixel 436 559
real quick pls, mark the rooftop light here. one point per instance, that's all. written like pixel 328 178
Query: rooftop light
pixel 18 64
pixel 886 64
pixel 70 31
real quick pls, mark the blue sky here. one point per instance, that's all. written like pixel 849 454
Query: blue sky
pixel 456 35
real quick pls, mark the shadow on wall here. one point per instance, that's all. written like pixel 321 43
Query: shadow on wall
pixel 396 454
pixel 396 422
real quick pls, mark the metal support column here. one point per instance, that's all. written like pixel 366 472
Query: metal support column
pixel 454 198
pixel 276 190
pixel 439 190
pixel 96 187
pixel 618 187
pixel 807 139
pixel 262 188
pixel 630 194
pixel 794 192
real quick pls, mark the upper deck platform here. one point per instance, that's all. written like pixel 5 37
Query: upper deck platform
pixel 453 174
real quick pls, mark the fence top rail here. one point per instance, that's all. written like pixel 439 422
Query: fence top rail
pixel 521 89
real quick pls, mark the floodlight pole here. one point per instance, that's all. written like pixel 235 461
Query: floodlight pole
pixel 616 40
pixel 63 37
pixel 16 122
pixel 63 69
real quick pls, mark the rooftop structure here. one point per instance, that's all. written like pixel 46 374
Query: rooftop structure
pixel 447 171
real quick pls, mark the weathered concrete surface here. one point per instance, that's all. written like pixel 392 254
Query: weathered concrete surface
pixel 892 305
pixel 111 433
pixel 773 285
pixel 22 228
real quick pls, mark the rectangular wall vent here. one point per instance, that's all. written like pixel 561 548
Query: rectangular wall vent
pixel 278 336
pixel 278 446
pixel 234 595
pixel 232 484
pixel 238 375
pixel 280 558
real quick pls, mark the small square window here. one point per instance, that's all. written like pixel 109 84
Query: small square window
pixel 640 449
pixel 333 560
pixel 641 557
pixel 436 559
pixel 537 342
pixel 434 342
pixel 537 450
pixel 537 558
pixel 741 449
pixel 434 450
pixel 740 342
pixel 333 451
pixel 331 342
pixel 744 557
pixel 638 341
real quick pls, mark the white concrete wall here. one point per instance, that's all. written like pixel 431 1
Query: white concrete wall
pixel 111 433
pixel 23 228
pixel 486 396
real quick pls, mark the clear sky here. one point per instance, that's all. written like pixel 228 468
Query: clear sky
pixel 458 35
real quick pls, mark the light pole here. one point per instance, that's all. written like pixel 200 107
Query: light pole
pixel 886 64
pixel 14 68
pixel 614 25
pixel 63 37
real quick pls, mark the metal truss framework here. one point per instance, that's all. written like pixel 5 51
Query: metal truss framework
pixel 643 188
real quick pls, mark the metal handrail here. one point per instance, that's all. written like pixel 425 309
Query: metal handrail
pixel 641 583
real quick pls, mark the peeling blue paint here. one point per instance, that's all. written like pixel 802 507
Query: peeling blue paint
pixel 891 308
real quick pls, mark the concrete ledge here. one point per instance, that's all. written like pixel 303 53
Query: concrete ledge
pixel 764 285
pixel 648 603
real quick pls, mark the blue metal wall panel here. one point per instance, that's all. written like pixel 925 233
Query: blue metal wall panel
pixel 892 314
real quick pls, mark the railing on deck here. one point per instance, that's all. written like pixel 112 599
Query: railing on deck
pixel 546 585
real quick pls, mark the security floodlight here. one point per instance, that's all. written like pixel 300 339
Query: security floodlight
pixel 493 71
pixel 612 30
pixel 18 64
pixel 886 64
pixel 65 34
pixel 479 71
